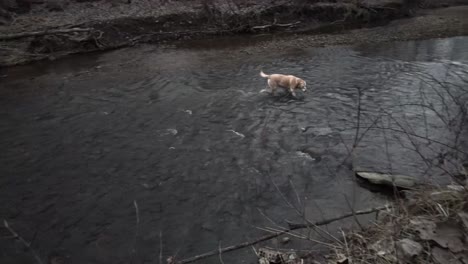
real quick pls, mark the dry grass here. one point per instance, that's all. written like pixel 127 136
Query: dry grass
pixel 430 217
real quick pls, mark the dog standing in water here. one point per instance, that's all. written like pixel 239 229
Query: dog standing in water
pixel 289 82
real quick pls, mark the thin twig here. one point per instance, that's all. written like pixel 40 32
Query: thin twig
pixel 273 230
pixel 26 244
pixel 160 247
pixel 421 137
pixel 137 225
pixel 42 33
pixel 297 196
pixel 346 243
pixel 353 212
pixel 220 256
pixel 295 226
pixel 301 214
pixel 358 121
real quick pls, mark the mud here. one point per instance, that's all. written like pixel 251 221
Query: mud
pixel 191 20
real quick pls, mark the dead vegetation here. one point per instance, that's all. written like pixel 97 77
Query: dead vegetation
pixel 427 223
pixel 431 226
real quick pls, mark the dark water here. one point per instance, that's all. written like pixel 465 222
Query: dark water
pixel 184 133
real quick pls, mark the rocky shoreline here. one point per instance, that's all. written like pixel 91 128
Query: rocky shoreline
pixel 428 226
pixel 422 224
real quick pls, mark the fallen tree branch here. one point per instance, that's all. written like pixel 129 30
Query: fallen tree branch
pixel 292 227
pixel 232 248
pixel 42 33
pixel 276 25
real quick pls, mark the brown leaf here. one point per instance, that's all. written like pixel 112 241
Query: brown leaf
pixel 449 236
pixel 443 256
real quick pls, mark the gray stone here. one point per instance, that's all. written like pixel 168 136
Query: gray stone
pixel 396 180
pixel 285 240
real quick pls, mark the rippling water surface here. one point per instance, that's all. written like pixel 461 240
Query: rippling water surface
pixel 185 134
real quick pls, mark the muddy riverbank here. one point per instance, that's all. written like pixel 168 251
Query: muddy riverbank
pixel 98 26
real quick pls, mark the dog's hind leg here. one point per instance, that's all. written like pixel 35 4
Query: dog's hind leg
pixel 272 86
pixel 269 89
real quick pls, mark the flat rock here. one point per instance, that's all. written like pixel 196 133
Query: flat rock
pixel 400 181
pixel 408 249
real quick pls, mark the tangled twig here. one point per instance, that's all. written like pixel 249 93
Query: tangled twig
pixel 24 242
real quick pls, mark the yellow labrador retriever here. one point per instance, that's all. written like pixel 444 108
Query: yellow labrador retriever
pixel 289 82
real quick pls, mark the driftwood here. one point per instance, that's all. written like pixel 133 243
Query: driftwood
pixel 292 227
pixel 276 25
pixel 42 33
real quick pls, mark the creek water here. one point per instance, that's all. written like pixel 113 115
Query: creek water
pixel 105 156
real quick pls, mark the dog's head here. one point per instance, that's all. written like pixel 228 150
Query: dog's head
pixel 302 85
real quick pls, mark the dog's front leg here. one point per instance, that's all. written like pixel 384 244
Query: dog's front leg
pixel 292 91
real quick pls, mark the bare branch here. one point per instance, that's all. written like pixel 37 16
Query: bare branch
pixel 160 248
pixel 220 253
pixel 137 225
pixel 26 244
pixel 353 212
pixel 294 226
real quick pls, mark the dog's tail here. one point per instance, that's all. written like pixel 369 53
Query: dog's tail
pixel 264 75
